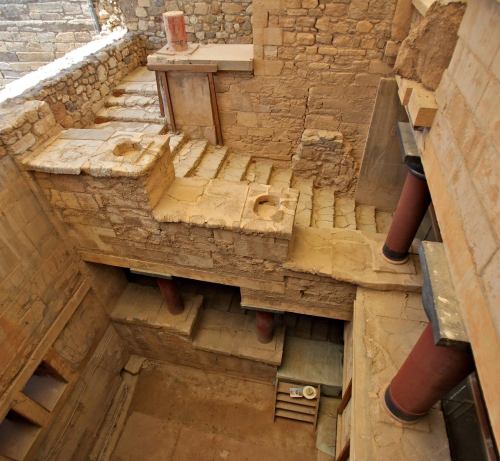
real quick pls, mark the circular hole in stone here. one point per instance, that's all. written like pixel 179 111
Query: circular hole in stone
pixel 126 147
pixel 267 207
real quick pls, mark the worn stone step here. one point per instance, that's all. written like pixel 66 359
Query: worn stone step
pixel 211 163
pixel 235 167
pixel 234 334
pixel 383 220
pixel 140 74
pixel 281 177
pixel 345 213
pixel 176 141
pixel 148 114
pixel 138 127
pixel 323 208
pixel 259 171
pixel 305 202
pixel 132 100
pixel 189 157
pixel 138 88
pixel 365 218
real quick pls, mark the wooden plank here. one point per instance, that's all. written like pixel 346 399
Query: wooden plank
pixel 296 416
pixel 168 100
pixel 215 109
pixel 422 107
pixel 43 346
pixel 304 402
pixel 179 271
pixel 199 68
pixel 297 408
pixel 344 453
pixel 345 398
pixel 160 95
pixel 31 410
pixel 58 364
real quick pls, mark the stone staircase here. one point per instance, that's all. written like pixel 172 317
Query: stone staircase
pixel 134 106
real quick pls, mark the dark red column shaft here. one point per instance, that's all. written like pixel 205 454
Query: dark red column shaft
pixel 171 293
pixel 426 376
pixel 413 203
pixel 264 322
pixel 175 29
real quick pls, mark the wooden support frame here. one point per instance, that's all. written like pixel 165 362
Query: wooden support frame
pixel 165 98
pixel 346 397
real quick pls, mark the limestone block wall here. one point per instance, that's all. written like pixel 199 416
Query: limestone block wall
pixel 76 93
pixel 461 162
pixel 33 33
pixel 209 21
pixel 40 271
pixel 317 66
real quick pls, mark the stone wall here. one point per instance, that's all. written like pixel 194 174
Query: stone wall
pixel 317 66
pixel 40 272
pixel 214 21
pixel 33 33
pixel 76 93
pixel 461 162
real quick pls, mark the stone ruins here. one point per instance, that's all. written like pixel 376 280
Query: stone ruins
pixel 249 230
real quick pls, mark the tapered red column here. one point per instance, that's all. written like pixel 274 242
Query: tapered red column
pixel 427 375
pixel 264 322
pixel 171 293
pixel 413 203
pixel 175 29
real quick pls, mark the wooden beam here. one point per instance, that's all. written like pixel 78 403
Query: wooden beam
pixel 58 364
pixel 43 346
pixel 167 100
pixel 345 398
pixel 344 453
pixel 215 109
pixel 30 409
pixel 199 68
pixel 160 95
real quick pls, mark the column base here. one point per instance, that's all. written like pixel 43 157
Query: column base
pixel 394 257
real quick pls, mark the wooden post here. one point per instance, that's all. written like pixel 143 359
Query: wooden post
pixel 215 109
pixel 167 101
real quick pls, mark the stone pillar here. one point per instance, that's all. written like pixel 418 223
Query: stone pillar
pixel 171 293
pixel 264 322
pixel 427 375
pixel 413 203
pixel 175 29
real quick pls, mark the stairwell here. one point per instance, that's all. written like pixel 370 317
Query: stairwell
pixel 134 106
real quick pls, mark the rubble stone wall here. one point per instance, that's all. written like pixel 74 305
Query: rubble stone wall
pixel 214 21
pixel 461 163
pixel 77 93
pixel 33 33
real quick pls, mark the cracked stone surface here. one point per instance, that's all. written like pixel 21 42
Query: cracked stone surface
pixel 235 167
pixel 387 326
pixel 345 214
pixel 323 208
pixel 365 218
pixel 212 162
pixel 305 202
pixel 189 157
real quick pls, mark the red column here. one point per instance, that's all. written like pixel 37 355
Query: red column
pixel 264 322
pixel 175 29
pixel 170 292
pixel 427 375
pixel 413 203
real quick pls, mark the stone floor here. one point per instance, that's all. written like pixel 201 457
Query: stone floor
pixel 181 413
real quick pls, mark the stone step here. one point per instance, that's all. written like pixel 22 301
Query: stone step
pixel 148 114
pixel 132 100
pixel 383 220
pixel 176 141
pixel 313 362
pixel 145 306
pixel 305 202
pixel 345 213
pixel 138 88
pixel 365 218
pixel 211 163
pixel 189 157
pixel 229 333
pixel 259 171
pixel 323 208
pixel 235 167
pixel 281 177
pixel 138 127
pixel 140 74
